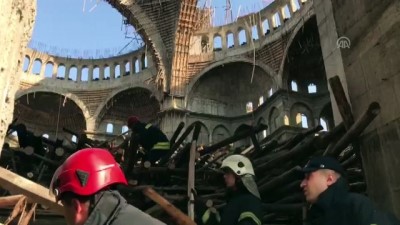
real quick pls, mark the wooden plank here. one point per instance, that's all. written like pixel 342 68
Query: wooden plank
pixel 177 214
pixel 16 184
pixel 191 179
pixel 341 101
pixel 7 201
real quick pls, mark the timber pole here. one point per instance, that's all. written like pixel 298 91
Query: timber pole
pixel 33 191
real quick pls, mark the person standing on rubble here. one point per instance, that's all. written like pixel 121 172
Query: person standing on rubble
pixel 244 206
pixel 326 189
pixel 86 186
pixel 154 142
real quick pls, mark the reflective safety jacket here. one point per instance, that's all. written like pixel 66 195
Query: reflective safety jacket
pixel 242 208
pixel 150 137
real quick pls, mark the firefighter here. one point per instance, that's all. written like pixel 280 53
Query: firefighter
pixel 326 189
pixel 243 205
pixel 154 142
pixel 86 185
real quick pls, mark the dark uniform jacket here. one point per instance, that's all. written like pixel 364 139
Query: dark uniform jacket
pixel 112 209
pixel 242 208
pixel 148 136
pixel 338 206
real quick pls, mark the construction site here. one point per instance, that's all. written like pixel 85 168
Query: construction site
pixel 293 80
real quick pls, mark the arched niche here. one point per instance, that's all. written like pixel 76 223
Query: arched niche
pixel 204 136
pixel 220 133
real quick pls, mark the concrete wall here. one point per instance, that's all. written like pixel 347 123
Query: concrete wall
pixel 371 73
pixel 17 18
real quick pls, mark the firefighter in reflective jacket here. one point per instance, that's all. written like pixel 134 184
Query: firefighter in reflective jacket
pixel 154 142
pixel 243 205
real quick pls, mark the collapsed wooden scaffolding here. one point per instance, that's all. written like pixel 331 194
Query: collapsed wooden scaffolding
pixel 172 182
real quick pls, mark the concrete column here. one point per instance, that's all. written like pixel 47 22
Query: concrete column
pixel 331 53
pixel 122 69
pixel 55 69
pixel 90 74
pixel 101 70
pixel 16 21
pixel 91 126
pixel 79 74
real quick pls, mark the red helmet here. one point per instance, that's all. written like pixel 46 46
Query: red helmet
pixel 132 120
pixel 86 172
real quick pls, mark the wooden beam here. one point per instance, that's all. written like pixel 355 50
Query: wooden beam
pixel 7 201
pixel 16 184
pixel 341 101
pixel 177 214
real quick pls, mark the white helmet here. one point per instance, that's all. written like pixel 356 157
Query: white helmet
pixel 239 164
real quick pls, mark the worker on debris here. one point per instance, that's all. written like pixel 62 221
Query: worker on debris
pixel 325 188
pixel 243 205
pixel 154 142
pixel 86 185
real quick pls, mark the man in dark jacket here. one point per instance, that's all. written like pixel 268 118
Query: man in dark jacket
pixel 243 206
pixel 85 184
pixel 154 142
pixel 326 190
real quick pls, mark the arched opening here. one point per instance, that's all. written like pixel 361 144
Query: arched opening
pixel 48 71
pixel 37 66
pixel 205 44
pixel 212 92
pixel 242 37
pixel 127 68
pixel 74 139
pixel 254 32
pixel 326 117
pixel 230 40
pixel 61 72
pixel 312 88
pixel 293 86
pixel 304 62
pixel 27 62
pixel 85 74
pixel 49 113
pixel 73 73
pixel 144 61
pixel 134 101
pixel 124 129
pixel 96 73
pixel 107 73
pixel 265 27
pixel 301 115
pixel 137 66
pixel 117 71
pixel 110 128
pixel 301 120
pixel 217 43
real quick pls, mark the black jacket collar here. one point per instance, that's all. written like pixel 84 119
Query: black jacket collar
pixel 331 196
